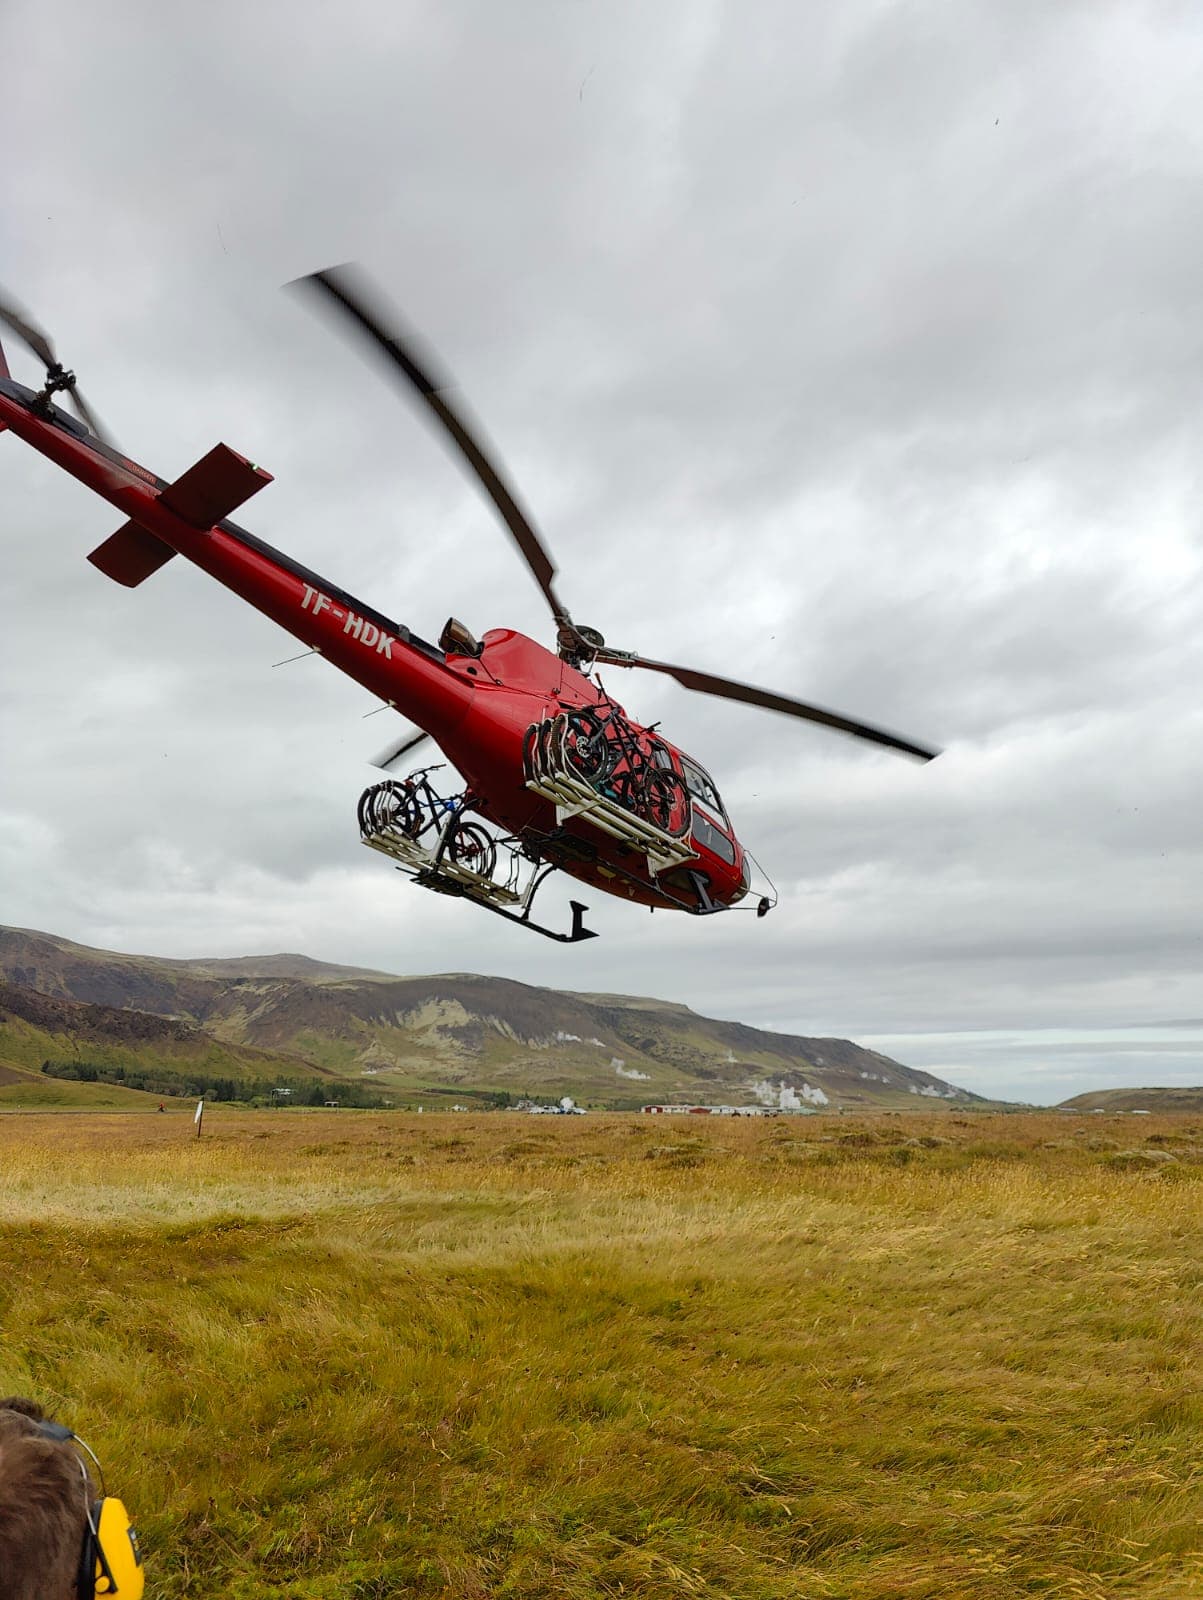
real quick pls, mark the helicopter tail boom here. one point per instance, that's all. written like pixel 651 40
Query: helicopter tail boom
pixel 188 518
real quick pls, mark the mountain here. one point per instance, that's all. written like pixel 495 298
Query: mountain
pixel 34 1026
pixel 458 1035
pixel 55 1051
pixel 1158 1100
pixel 56 966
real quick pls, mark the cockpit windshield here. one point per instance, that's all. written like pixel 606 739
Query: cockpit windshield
pixel 701 787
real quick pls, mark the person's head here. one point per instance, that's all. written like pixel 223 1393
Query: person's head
pixel 59 1539
pixel 44 1500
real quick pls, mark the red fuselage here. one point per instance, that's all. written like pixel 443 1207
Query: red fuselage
pixel 477 708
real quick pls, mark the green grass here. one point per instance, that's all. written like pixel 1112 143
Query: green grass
pixel 366 1356
pixel 24 1089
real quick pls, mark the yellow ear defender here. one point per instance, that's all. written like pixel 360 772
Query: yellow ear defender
pixel 110 1562
pixel 117 1567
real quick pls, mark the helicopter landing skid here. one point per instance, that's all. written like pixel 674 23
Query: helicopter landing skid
pixel 461 891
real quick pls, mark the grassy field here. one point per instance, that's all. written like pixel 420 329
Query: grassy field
pixel 357 1355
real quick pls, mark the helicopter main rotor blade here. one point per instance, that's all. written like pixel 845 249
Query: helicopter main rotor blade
pixel 348 289
pixel 388 757
pixel 728 689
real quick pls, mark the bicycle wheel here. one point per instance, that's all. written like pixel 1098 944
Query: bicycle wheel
pixel 664 801
pixel 474 848
pixel 586 747
pixel 543 758
pixel 390 808
pixel 530 751
pixel 407 815
pixel 364 812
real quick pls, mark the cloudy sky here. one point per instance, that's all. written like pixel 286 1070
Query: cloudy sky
pixel 854 349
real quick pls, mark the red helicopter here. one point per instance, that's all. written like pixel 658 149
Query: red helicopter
pixel 557 775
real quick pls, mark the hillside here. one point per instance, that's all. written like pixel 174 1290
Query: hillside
pixel 1154 1100
pixel 158 984
pixel 35 1091
pixel 75 1035
pixel 459 1034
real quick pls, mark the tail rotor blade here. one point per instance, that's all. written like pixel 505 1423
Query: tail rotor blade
pixel 59 381
pixel 87 416
pixel 28 332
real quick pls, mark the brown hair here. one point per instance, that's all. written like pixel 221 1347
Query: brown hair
pixel 43 1508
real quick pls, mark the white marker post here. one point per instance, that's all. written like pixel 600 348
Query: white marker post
pixel 199 1117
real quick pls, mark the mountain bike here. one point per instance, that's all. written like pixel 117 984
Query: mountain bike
pixel 602 749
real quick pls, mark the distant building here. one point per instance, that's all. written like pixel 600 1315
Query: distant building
pixel 566 1108
pixel 711 1111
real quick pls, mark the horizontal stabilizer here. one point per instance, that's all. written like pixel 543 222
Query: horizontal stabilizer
pixel 131 555
pixel 215 486
pixel 205 494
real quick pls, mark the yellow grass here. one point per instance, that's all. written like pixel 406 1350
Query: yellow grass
pixel 356 1355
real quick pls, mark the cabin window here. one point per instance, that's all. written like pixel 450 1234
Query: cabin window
pixel 710 838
